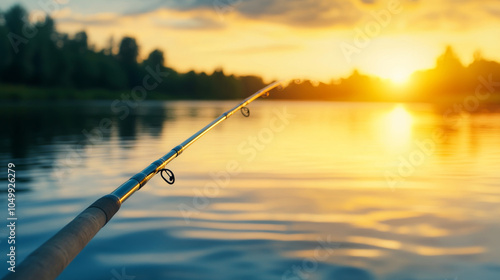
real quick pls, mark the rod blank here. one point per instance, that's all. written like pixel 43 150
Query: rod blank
pixel 52 257
pixel 140 179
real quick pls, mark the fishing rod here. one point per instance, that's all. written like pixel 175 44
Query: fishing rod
pixel 52 257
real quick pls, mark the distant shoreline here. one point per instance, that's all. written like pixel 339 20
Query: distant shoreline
pixel 20 93
pixel 26 93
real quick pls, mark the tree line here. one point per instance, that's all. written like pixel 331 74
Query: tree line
pixel 37 55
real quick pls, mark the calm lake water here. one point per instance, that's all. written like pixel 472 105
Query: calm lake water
pixel 300 190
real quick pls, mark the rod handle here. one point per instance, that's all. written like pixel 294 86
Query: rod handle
pixel 52 257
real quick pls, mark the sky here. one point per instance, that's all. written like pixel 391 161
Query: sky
pixel 281 39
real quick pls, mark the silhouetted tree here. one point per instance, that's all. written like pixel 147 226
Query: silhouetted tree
pixel 81 42
pixel 5 49
pixel 44 53
pixel 481 67
pixel 251 84
pixel 85 70
pixel 448 61
pixel 155 58
pixel 127 56
pixel 110 74
pixel 21 68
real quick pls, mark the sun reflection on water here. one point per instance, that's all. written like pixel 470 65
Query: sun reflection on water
pixel 395 129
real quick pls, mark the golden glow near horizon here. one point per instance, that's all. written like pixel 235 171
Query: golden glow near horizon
pixel 275 39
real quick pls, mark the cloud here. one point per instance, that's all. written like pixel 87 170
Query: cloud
pixel 310 14
pixel 193 23
pixel 161 18
pixel 302 13
pixel 186 5
pixel 335 13
pixel 450 15
pixel 270 48
pixel 101 19
pixel 306 14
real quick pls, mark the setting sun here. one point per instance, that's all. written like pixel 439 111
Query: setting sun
pixel 398 67
pixel 395 59
pixel 399 77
